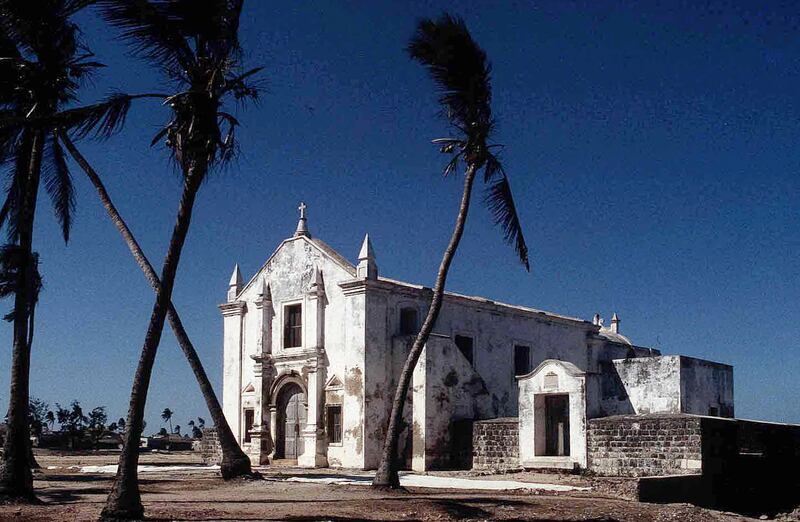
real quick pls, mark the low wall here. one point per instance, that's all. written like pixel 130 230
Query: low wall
pixel 210 450
pixel 495 444
pixel 652 445
pixel 731 464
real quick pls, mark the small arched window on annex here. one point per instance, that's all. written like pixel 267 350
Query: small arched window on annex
pixel 408 320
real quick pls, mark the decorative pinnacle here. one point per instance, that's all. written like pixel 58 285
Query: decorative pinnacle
pixel 266 291
pixel 235 284
pixel 366 249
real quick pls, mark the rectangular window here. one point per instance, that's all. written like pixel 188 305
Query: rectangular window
pixel 293 326
pixel 465 345
pixel 522 359
pixel 249 416
pixel 408 321
pixel 334 423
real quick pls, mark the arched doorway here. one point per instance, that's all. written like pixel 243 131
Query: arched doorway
pixel 291 406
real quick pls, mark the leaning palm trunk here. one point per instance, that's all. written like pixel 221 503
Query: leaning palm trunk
pixel 386 476
pixel 16 478
pixel 234 461
pixel 124 502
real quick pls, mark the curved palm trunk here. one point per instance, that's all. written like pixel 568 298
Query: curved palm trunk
pixel 234 461
pixel 386 476
pixel 16 478
pixel 124 502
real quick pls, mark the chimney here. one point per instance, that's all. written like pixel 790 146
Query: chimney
pixel 615 323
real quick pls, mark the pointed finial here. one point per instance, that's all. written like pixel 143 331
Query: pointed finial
pixel 266 292
pixel 367 267
pixel 615 323
pixel 366 249
pixel 302 225
pixel 235 284
pixel 317 286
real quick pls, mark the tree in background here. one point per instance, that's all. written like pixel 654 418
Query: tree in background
pixel 197 431
pixel 37 416
pixel 196 45
pixel 72 421
pixel 97 424
pixel 166 416
pixel 461 71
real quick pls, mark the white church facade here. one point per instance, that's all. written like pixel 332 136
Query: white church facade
pixel 314 344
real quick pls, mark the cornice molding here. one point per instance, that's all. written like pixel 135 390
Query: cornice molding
pixel 233 308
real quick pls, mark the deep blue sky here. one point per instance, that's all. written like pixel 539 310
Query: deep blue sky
pixel 652 151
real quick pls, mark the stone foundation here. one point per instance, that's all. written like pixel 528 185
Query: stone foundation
pixel 495 444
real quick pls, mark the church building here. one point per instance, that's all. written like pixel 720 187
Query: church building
pixel 314 345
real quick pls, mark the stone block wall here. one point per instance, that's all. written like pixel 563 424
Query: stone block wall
pixel 638 446
pixel 495 444
pixel 210 450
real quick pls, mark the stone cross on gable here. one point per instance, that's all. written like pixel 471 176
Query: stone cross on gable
pixel 302 227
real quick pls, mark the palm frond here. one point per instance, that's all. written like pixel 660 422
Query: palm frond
pixel 151 31
pixel 459 68
pixel 102 119
pixel 452 166
pixel 58 184
pixel 501 204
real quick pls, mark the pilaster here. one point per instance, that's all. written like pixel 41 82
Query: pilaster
pixel 232 317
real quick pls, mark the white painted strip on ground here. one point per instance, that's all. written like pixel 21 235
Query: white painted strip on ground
pixel 431 481
pixel 112 468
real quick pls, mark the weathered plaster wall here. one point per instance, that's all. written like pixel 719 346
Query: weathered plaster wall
pixel 706 387
pixel 667 384
pixel 651 385
pixel 453 392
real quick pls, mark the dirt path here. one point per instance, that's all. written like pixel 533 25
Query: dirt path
pixel 170 495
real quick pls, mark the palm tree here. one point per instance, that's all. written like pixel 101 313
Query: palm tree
pixel 195 43
pixel 235 462
pixel 166 416
pixel 461 71
pixel 42 64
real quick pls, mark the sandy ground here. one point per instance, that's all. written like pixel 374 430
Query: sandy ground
pixel 191 494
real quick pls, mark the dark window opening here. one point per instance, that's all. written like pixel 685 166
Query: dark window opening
pixel 334 423
pixel 522 359
pixel 249 418
pixel 293 326
pixel 408 321
pixel 713 411
pixel 465 345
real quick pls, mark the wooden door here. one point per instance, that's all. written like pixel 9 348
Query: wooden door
pixel 292 420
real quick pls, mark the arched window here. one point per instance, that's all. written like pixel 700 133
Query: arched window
pixel 408 321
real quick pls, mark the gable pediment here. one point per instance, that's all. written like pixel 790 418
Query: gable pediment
pixel 333 383
pixel 292 265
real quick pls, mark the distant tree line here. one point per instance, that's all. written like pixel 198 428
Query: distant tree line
pixel 78 429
